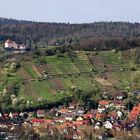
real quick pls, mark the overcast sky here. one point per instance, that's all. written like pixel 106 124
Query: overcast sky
pixel 73 11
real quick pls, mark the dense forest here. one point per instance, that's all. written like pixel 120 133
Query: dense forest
pixel 97 35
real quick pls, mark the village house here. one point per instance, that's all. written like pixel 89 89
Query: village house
pixel 100 116
pixel 80 111
pixel 119 113
pixel 61 112
pixel 103 105
pixel 80 118
pixel 59 120
pixel 12 45
pixel 108 125
pixel 121 95
pixel 89 115
pixel 134 114
pixel 22 47
pixel 40 113
pixel 37 122
pixel 136 92
pixel 69 117
pixel 72 106
pixel 9 44
pixel 101 109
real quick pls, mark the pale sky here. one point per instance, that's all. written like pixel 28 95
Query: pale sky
pixel 73 11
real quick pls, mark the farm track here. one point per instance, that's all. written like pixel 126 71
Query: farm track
pixel 36 70
pixel 102 74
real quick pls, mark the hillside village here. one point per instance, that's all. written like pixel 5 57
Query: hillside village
pixel 112 118
pixel 73 94
pixel 115 115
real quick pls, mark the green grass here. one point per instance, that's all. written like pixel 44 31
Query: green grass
pixel 60 65
pixel 28 68
pixel 35 90
pixel 1 86
pixel 47 89
pixel 82 65
pixel 111 58
pixel 51 47
pixel 68 65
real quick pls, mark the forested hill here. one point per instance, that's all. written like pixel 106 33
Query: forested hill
pixel 36 32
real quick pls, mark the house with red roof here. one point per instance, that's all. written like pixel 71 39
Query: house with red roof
pixel 100 116
pixel 88 116
pixel 104 103
pixel 35 120
pixel 135 112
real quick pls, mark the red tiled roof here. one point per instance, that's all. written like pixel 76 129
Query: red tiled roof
pixel 37 120
pixel 63 110
pixel 100 116
pixel 134 112
pixel 103 102
pixel 48 121
pixel 88 116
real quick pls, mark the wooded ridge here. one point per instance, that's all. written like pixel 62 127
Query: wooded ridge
pixel 30 33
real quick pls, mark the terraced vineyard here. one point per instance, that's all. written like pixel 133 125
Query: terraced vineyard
pixel 108 70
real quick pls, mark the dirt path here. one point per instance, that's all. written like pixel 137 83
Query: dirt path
pixel 103 81
pixel 36 70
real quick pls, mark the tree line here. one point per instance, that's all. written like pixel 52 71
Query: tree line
pixel 97 35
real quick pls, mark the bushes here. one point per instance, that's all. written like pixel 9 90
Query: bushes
pixel 133 69
pixel 88 99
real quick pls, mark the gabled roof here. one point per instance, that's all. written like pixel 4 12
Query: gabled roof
pixel 9 41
